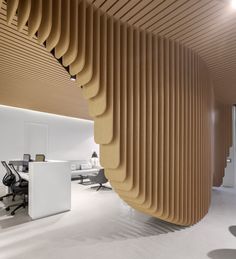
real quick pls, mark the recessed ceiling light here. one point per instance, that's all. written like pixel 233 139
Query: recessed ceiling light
pixel 233 4
pixel 73 78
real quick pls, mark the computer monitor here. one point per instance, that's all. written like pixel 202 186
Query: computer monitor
pixel 26 160
pixel 26 157
pixel 39 158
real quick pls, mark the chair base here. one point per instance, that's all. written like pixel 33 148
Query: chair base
pixel 7 195
pixel 101 186
pixel 23 204
pixel 12 205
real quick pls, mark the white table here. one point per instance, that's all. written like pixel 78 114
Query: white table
pixel 24 176
pixel 49 188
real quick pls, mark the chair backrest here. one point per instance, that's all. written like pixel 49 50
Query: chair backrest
pixel 39 158
pixel 17 175
pixel 101 178
pixel 9 178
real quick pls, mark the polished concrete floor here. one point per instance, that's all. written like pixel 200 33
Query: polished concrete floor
pixel 100 225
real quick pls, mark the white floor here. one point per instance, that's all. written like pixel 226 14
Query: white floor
pixel 100 225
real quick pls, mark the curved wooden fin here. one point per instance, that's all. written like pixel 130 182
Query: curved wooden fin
pixel 46 23
pixel 35 17
pixel 64 40
pixel 79 62
pixel 12 6
pixel 85 75
pixel 23 13
pixel 71 53
pixel 55 32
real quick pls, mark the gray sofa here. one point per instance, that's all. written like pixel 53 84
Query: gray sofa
pixel 82 168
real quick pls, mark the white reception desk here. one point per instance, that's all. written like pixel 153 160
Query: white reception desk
pixel 49 188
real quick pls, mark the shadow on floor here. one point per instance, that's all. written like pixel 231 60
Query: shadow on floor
pixel 6 220
pixel 232 230
pixel 87 223
pixel 222 254
pixel 123 228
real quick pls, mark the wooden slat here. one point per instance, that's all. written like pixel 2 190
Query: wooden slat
pixel 96 90
pixel 124 180
pixel 71 54
pixel 35 17
pixel 64 41
pixel 119 173
pixel 89 76
pixel 23 13
pixel 104 126
pixel 12 6
pixel 110 155
pixel 55 32
pixel 46 23
pixel 79 62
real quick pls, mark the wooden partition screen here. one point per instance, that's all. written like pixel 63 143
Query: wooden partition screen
pixel 151 99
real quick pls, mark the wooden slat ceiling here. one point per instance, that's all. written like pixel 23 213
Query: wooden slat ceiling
pixel 206 26
pixel 30 77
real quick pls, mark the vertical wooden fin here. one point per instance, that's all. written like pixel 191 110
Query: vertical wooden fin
pixel 71 53
pixel 85 75
pixel 12 6
pixel 55 32
pixel 79 62
pixel 64 41
pixel 35 17
pixel 23 13
pixel 97 94
pixel 46 23
pixel 103 125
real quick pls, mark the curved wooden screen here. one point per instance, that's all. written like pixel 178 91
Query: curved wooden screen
pixel 152 103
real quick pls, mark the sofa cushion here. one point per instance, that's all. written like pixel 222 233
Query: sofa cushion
pixel 85 166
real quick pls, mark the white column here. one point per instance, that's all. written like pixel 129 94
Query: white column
pixel 49 188
pixel 230 175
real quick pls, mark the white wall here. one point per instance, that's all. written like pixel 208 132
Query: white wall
pixel 230 175
pixel 228 180
pixel 67 138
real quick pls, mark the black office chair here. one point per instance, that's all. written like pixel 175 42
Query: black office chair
pixel 8 179
pixel 99 179
pixel 19 187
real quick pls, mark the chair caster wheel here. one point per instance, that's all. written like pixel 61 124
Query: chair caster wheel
pixel 12 213
pixel 7 209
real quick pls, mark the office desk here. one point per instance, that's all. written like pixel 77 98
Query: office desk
pixel 17 163
pixel 49 188
pixel 24 176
